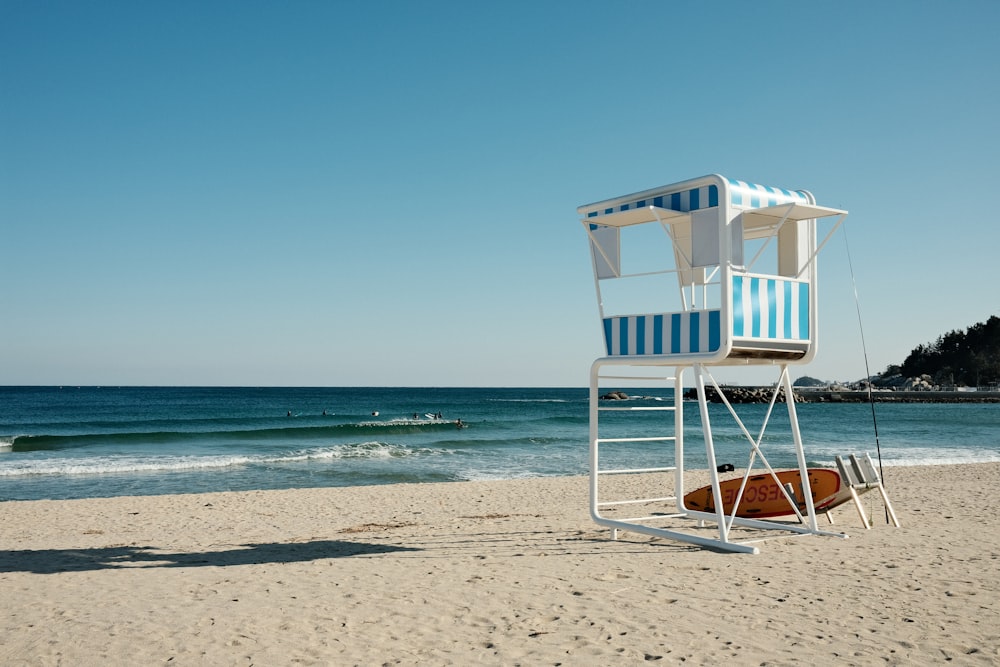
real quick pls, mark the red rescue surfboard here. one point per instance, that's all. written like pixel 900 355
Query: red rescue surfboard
pixel 762 497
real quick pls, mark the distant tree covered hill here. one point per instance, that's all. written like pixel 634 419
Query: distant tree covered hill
pixel 970 357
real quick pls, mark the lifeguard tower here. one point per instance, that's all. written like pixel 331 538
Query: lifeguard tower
pixel 708 272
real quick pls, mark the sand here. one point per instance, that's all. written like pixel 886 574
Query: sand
pixel 506 573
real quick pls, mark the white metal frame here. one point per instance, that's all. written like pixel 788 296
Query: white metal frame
pixel 673 502
pixel 732 219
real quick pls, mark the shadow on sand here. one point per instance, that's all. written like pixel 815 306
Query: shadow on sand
pixel 51 561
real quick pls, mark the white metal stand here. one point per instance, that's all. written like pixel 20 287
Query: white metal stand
pixel 722 311
pixel 668 507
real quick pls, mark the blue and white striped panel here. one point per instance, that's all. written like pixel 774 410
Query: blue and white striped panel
pixel 751 195
pixel 770 308
pixel 668 333
pixel 688 200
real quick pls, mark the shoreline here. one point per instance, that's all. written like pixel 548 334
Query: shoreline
pixel 503 572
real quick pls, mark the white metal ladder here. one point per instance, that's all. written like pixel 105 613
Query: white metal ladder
pixel 672 453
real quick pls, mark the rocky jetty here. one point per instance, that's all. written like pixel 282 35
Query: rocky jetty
pixel 742 395
pixel 908 390
pixel 896 389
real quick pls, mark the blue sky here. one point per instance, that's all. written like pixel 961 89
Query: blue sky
pixel 385 193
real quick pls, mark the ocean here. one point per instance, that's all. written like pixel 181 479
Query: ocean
pixel 83 442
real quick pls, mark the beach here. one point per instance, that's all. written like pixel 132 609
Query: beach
pixel 509 572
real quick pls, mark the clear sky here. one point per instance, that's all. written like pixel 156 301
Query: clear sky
pixel 385 193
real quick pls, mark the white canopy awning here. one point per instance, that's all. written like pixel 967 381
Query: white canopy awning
pixel 638 216
pixel 772 215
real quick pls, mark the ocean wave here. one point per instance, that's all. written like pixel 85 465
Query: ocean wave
pixel 497 475
pixel 117 464
pixel 27 443
pixel 937 457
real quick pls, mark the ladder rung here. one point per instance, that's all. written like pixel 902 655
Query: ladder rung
pixel 654 516
pixel 628 471
pixel 635 502
pixel 661 438
pixel 668 408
